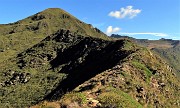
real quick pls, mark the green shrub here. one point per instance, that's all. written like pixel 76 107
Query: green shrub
pixel 72 97
pixel 147 72
pixel 118 99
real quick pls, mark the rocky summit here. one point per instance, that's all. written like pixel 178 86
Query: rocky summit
pixel 54 60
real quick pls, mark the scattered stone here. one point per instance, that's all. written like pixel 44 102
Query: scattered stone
pixel 16 78
pixel 80 60
pixel 93 103
pixel 139 89
pixel 162 84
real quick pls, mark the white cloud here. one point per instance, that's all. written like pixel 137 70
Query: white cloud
pixel 125 12
pixel 111 30
pixel 148 33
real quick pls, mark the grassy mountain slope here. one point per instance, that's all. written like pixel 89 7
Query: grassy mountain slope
pixel 23 34
pixel 52 56
pixel 88 68
pixel 117 74
pixel 41 68
pixel 168 49
pixel 41 65
pixel 172 56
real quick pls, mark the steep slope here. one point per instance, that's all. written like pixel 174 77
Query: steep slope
pixel 23 34
pixel 39 69
pixel 91 68
pixel 113 74
pixel 172 55
pixel 168 49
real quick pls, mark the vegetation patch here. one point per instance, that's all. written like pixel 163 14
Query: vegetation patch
pixel 141 66
pixel 116 98
pixel 73 97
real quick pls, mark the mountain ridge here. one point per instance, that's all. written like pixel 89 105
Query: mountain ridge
pixel 31 30
pixel 44 59
pixel 168 49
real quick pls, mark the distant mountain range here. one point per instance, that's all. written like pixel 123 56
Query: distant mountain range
pixel 53 60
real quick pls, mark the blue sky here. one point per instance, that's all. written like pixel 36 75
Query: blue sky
pixel 150 19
